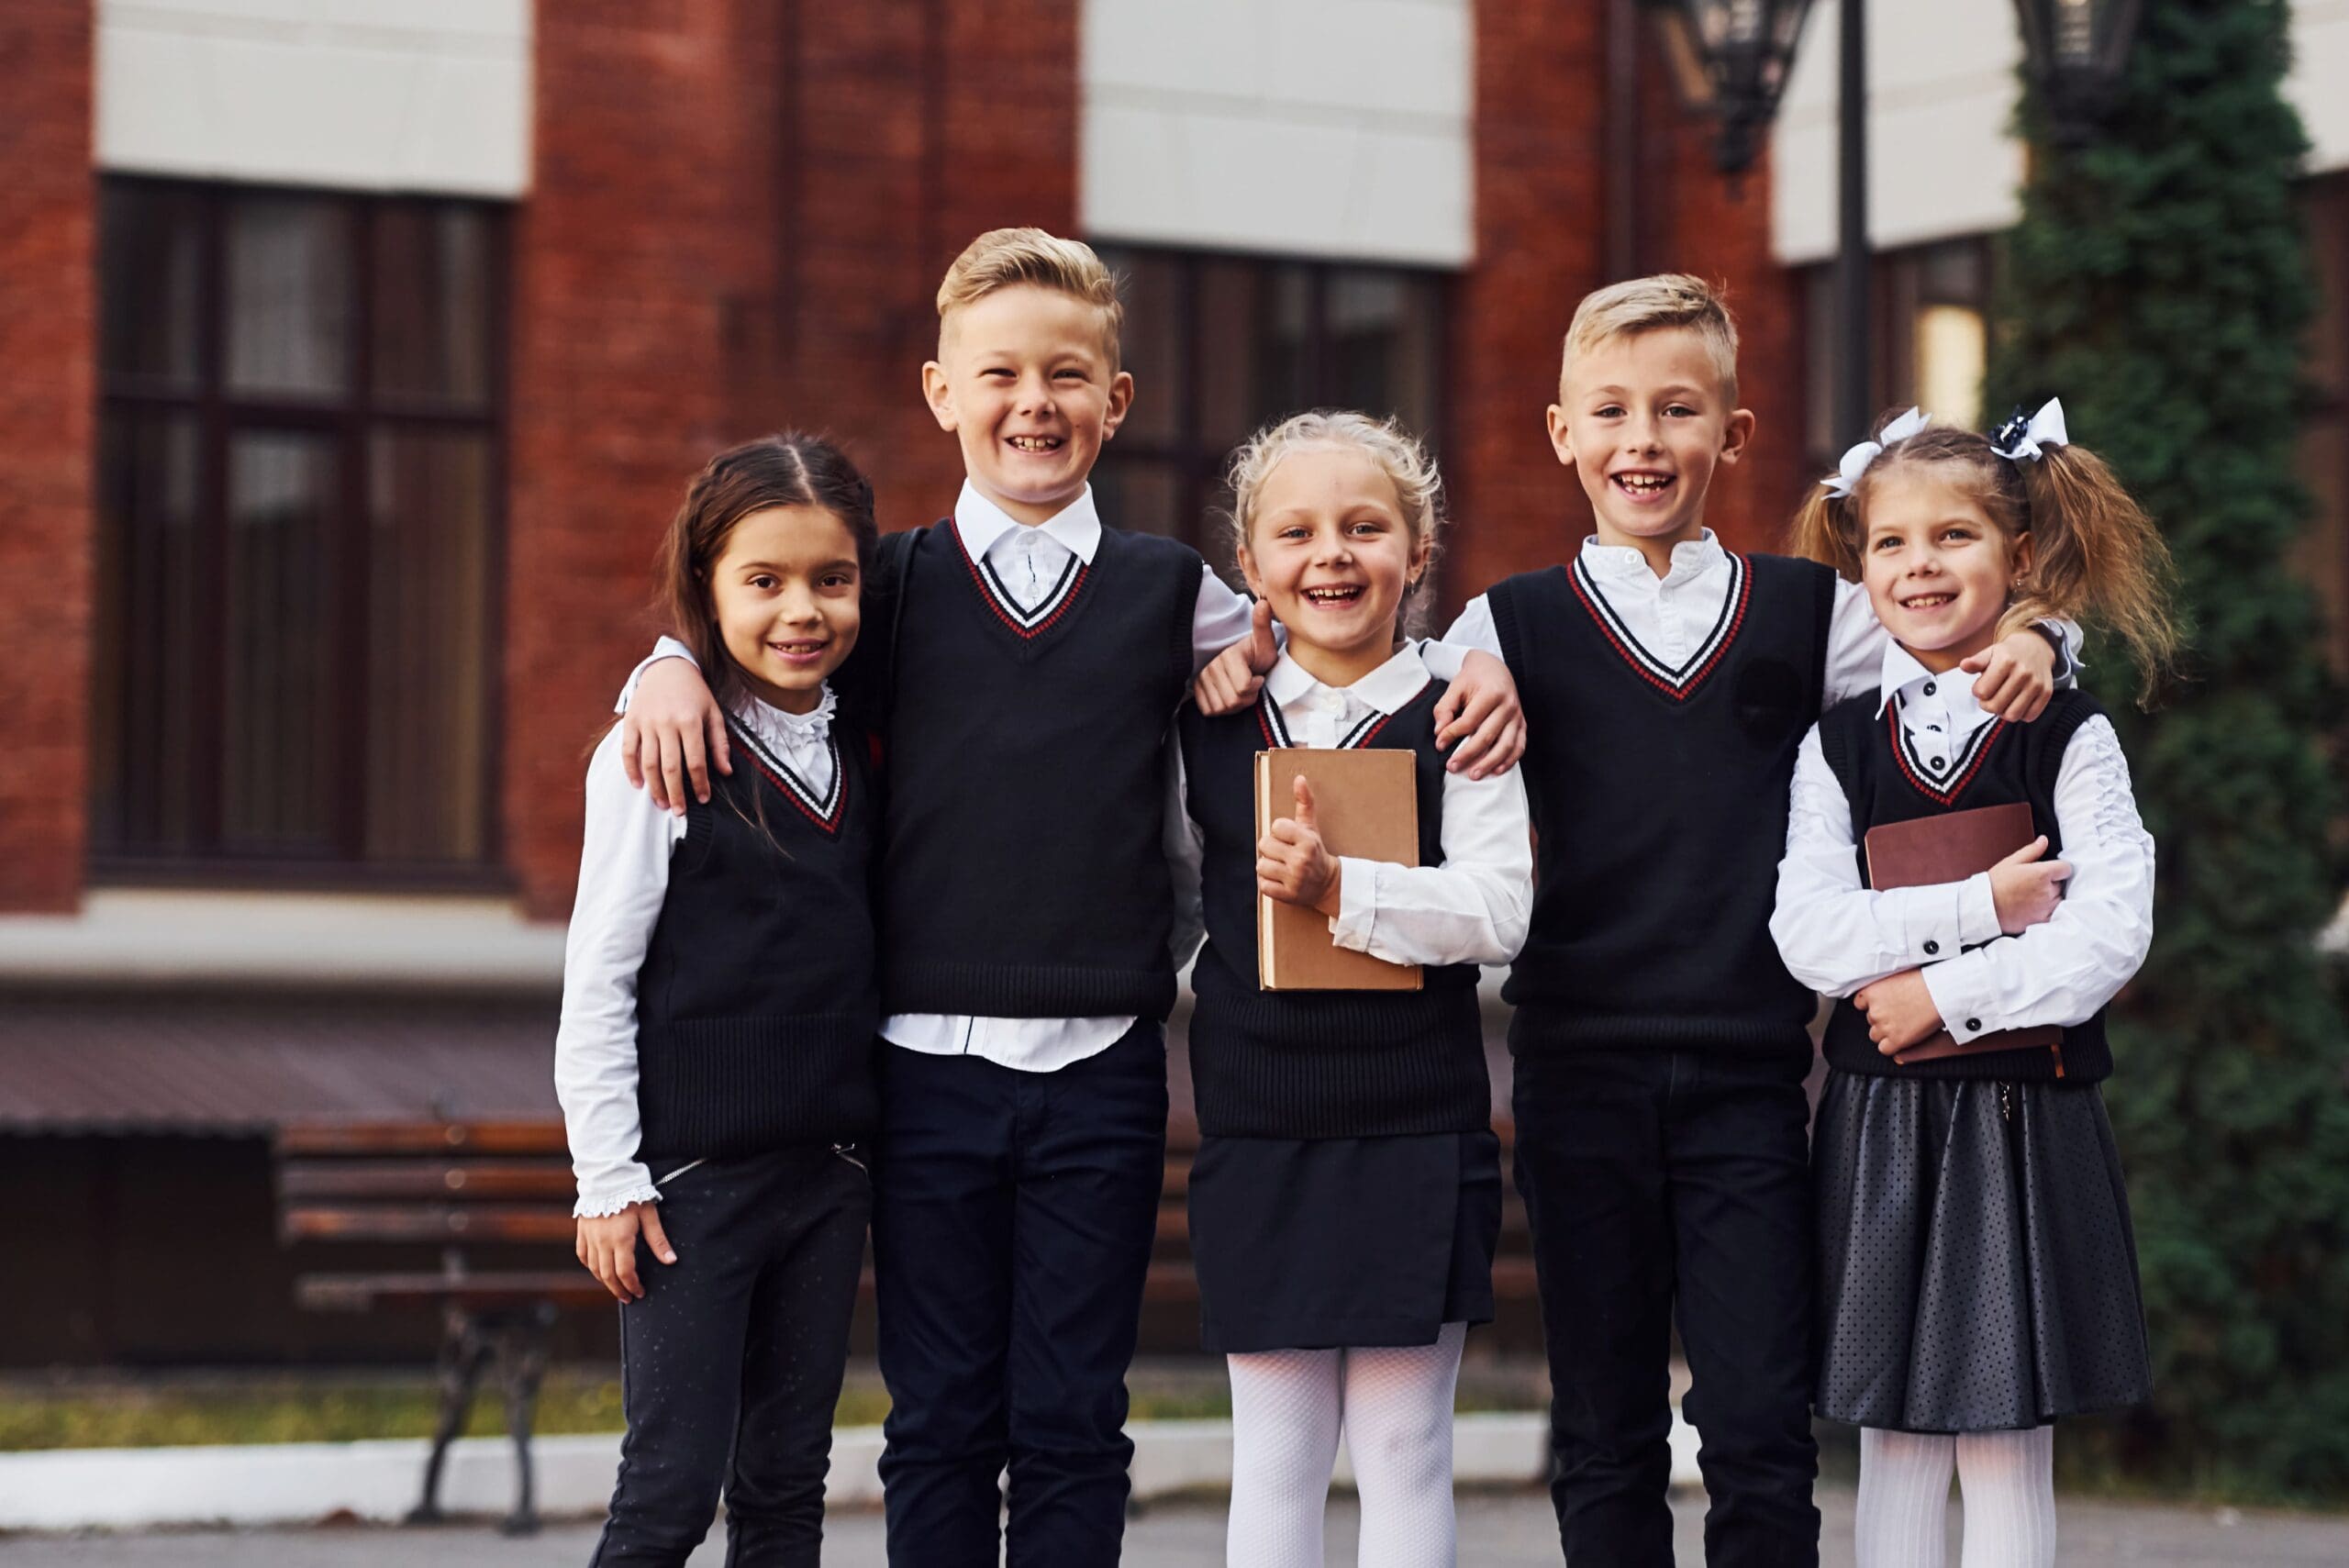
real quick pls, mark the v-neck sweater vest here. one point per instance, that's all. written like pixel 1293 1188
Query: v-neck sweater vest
pixel 1318 1064
pixel 1886 781
pixel 755 1004
pixel 1023 869
pixel 1659 800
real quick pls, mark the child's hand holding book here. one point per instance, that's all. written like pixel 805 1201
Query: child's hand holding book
pixel 1292 862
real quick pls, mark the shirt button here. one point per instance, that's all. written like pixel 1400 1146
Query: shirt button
pixel 1936 763
pixel 1929 688
pixel 1974 1025
pixel 1931 946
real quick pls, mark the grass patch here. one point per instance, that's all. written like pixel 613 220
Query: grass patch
pixel 185 1409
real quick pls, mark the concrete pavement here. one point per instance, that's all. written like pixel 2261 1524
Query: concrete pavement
pixel 1499 1530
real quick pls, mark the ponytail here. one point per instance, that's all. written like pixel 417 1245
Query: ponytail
pixel 2097 557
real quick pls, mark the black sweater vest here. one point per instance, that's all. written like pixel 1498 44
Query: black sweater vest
pixel 2002 764
pixel 1659 801
pixel 1023 873
pixel 1318 1064
pixel 755 1010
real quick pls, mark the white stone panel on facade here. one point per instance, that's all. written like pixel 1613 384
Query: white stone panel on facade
pixel 1941 89
pixel 1942 159
pixel 2319 84
pixel 367 95
pixel 1324 128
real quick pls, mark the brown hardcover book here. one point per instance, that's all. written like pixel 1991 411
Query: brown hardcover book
pixel 1366 803
pixel 1929 850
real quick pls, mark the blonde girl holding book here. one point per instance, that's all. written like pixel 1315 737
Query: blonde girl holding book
pixel 1977 1273
pixel 1346 1198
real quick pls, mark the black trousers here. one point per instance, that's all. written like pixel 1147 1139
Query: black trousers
pixel 1658 1181
pixel 1011 1235
pixel 730 1366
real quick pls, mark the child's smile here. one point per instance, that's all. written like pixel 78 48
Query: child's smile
pixel 1330 547
pixel 1025 380
pixel 1644 419
pixel 785 592
pixel 1938 570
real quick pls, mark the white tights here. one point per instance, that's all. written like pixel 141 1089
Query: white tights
pixel 2005 1480
pixel 1394 1406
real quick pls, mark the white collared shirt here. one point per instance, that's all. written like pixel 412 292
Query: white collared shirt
pixel 1472 908
pixel 1669 616
pixel 623 882
pixel 1028 561
pixel 1837 935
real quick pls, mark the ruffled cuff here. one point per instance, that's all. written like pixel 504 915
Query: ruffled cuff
pixel 603 1205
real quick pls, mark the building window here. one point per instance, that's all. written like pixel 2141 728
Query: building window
pixel 1219 345
pixel 301 467
pixel 1929 336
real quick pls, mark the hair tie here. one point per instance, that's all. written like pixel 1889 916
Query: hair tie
pixel 1856 457
pixel 2023 438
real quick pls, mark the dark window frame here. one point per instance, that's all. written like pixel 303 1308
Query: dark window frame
pixel 353 418
pixel 1199 463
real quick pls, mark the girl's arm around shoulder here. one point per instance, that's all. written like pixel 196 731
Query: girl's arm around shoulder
pixel 1472 908
pixel 623 881
pixel 2061 971
pixel 1835 935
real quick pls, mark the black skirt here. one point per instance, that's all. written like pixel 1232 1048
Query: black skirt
pixel 1322 1243
pixel 1978 1269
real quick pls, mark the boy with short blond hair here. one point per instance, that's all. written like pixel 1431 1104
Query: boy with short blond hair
pixel 1660 1044
pixel 1030 662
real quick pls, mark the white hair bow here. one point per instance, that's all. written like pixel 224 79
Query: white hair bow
pixel 1856 457
pixel 2022 438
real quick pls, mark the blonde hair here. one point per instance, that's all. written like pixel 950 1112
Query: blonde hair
pixel 2096 556
pixel 1004 257
pixel 1649 304
pixel 1418 488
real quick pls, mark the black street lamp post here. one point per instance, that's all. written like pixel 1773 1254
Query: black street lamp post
pixel 1733 56
pixel 2075 52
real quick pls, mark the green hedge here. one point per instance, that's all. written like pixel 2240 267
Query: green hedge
pixel 2159 283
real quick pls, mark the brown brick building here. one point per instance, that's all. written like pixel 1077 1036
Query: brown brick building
pixel 352 366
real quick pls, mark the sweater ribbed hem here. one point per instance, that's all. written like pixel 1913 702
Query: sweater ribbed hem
pixel 720 1088
pixel 2087 1059
pixel 1339 1064
pixel 1541 1028
pixel 1027 991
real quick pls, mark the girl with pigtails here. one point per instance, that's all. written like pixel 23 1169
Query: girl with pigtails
pixel 1977 1273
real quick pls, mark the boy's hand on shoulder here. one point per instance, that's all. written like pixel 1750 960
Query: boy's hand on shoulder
pixel 1900 1011
pixel 1234 676
pixel 1483 706
pixel 1293 864
pixel 2017 676
pixel 671 730
pixel 606 1245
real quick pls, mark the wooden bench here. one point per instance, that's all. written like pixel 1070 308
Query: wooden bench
pixel 453 1186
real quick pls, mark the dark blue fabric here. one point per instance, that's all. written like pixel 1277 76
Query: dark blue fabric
pixel 1661 1184
pixel 1022 871
pixel 1011 1234
pixel 1660 818
pixel 1318 1064
pixel 2009 762
pixel 730 1365
pixel 756 1002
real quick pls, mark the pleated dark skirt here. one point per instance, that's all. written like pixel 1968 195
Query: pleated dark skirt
pixel 1977 1268
pixel 1305 1244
